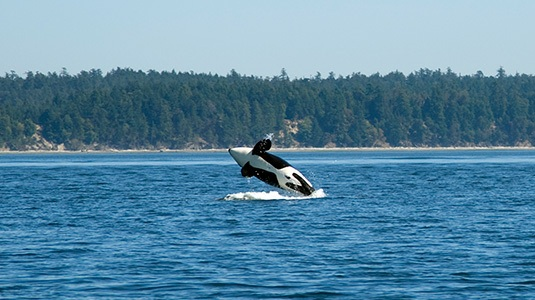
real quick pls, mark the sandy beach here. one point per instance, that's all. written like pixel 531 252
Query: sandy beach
pixel 294 149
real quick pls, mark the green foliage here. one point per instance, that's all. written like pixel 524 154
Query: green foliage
pixel 127 109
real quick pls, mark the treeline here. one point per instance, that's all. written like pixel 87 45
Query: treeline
pixel 127 109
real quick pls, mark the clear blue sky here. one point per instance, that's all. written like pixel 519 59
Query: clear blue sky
pixel 262 37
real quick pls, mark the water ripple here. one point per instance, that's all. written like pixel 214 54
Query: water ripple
pixel 388 225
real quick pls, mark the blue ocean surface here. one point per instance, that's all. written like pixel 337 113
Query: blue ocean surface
pixel 424 224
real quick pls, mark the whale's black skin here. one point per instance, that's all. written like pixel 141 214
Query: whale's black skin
pixel 270 168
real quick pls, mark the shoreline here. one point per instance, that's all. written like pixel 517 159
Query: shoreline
pixel 297 149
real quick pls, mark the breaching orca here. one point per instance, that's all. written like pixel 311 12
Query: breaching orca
pixel 269 168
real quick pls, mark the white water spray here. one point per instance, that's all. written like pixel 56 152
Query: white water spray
pixel 273 195
pixel 269 136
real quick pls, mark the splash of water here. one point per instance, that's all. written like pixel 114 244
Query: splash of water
pixel 269 136
pixel 272 195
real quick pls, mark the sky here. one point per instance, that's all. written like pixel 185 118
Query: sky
pixel 260 38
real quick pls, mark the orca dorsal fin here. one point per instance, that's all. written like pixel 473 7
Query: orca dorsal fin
pixel 262 146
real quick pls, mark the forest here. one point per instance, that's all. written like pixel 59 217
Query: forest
pixel 128 109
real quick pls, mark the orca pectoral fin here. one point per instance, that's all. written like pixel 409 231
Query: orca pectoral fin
pixel 262 146
pixel 247 170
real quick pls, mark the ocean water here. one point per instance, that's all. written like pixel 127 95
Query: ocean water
pixel 383 225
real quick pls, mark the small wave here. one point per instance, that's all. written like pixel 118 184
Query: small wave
pixel 272 195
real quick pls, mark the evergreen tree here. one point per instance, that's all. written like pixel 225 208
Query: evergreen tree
pixel 133 109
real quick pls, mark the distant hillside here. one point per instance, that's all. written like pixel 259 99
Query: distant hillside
pixel 127 109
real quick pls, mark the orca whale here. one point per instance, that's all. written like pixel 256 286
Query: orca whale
pixel 269 168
